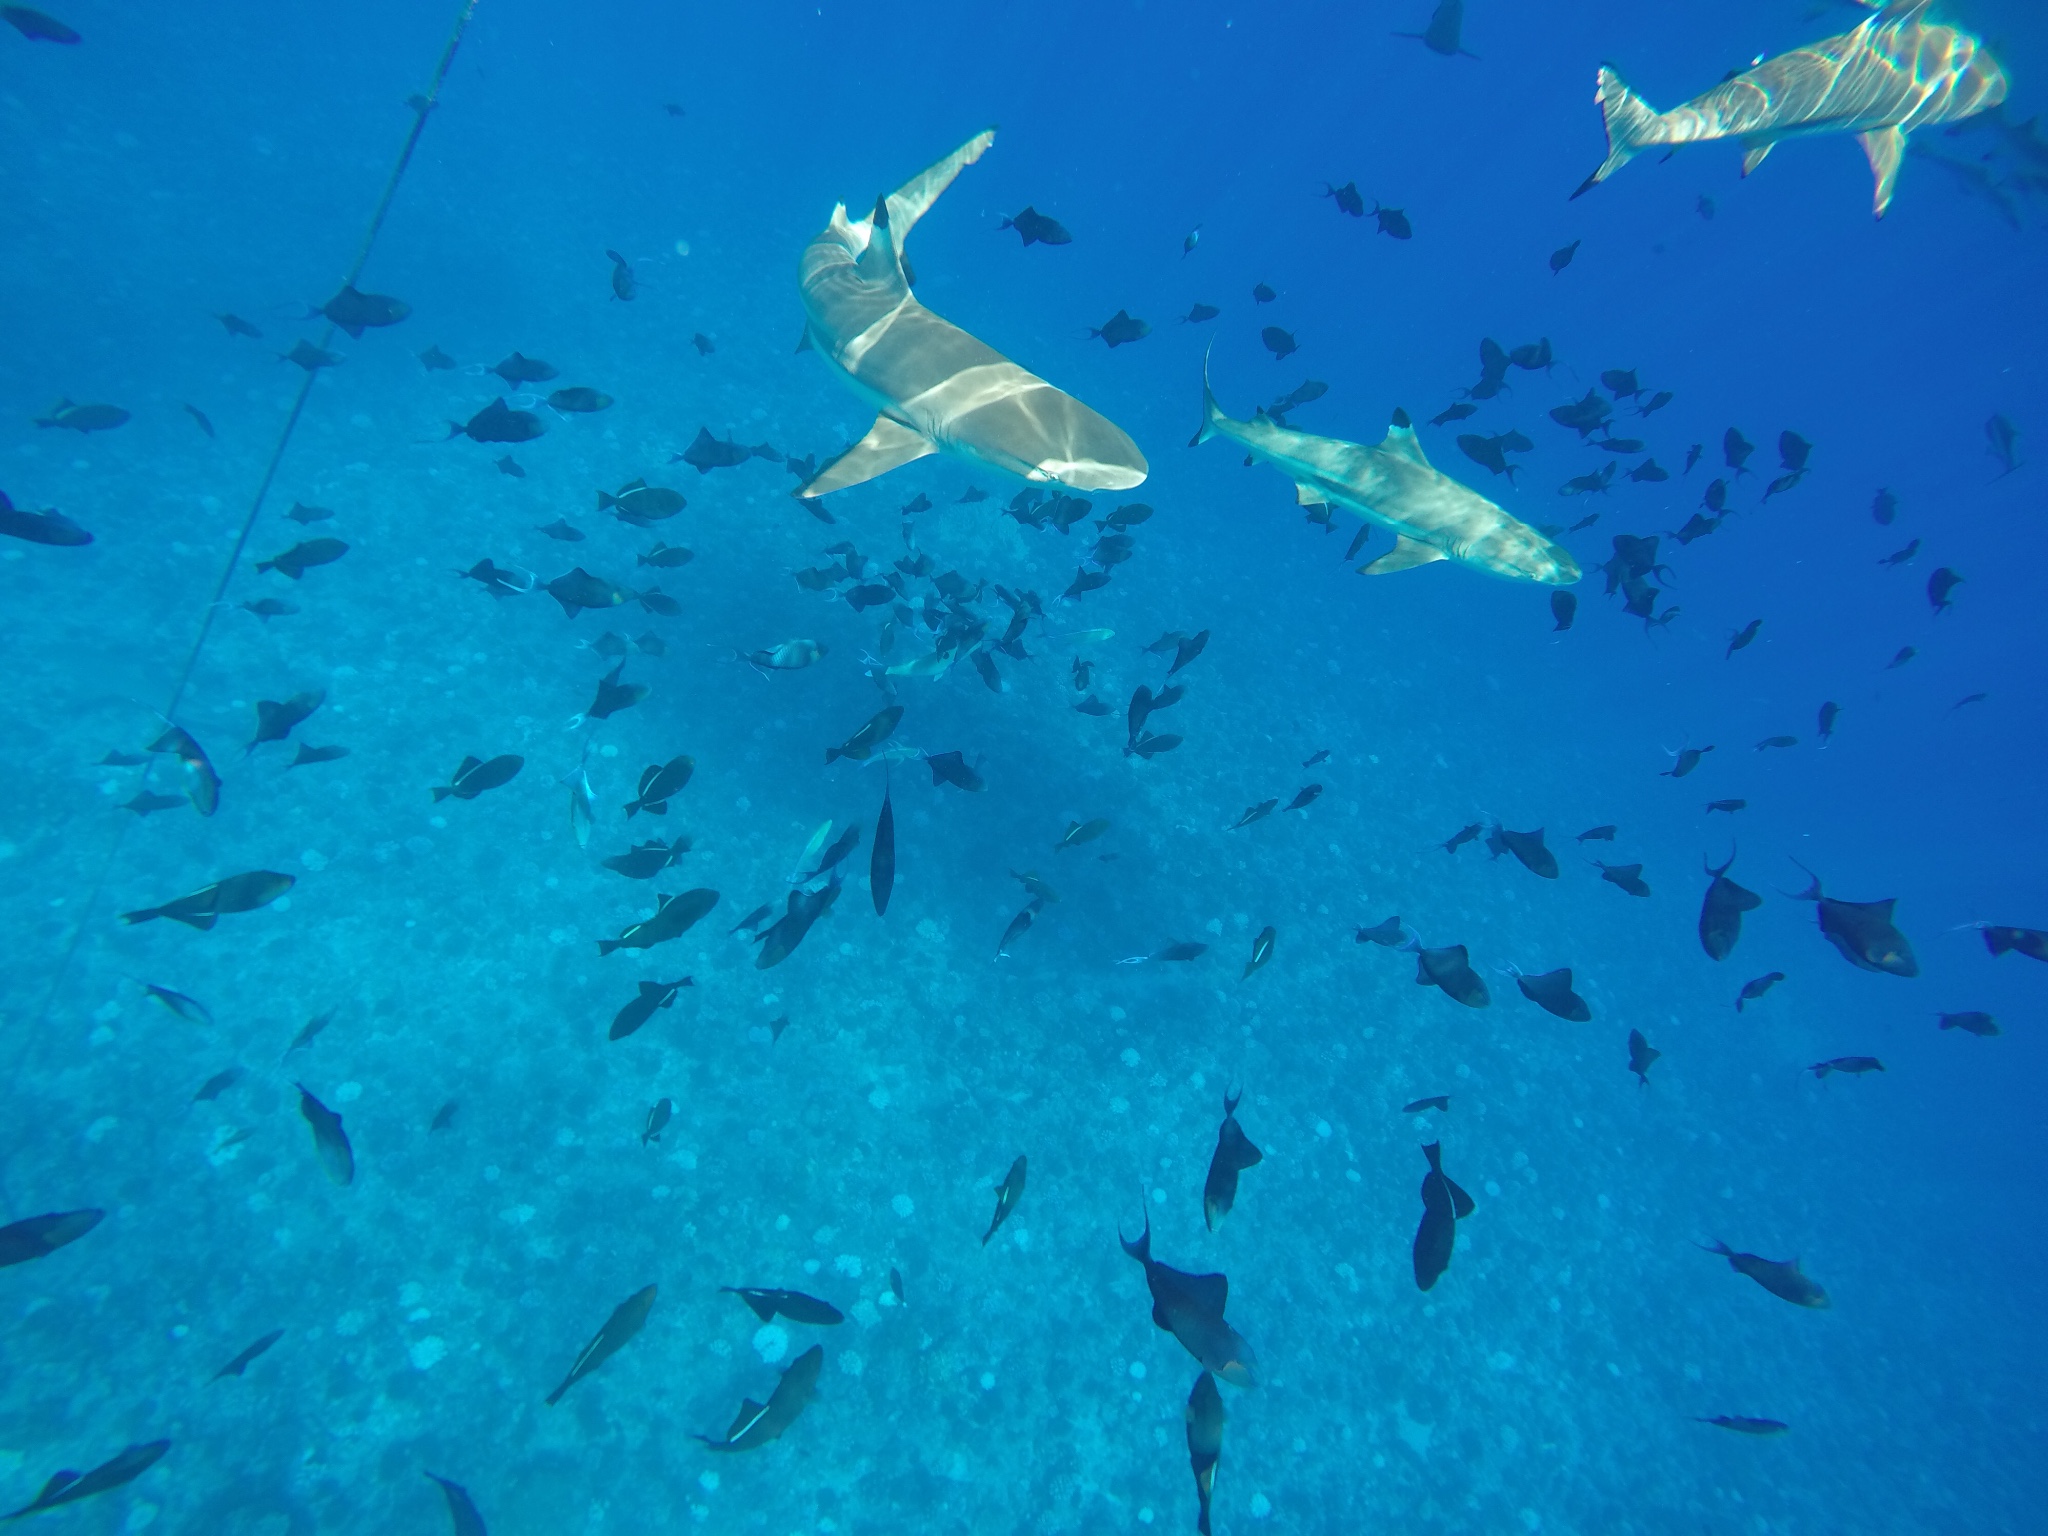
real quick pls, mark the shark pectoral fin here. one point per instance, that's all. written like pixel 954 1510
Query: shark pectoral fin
pixel 1753 153
pixel 888 445
pixel 1885 147
pixel 1308 496
pixel 1402 442
pixel 1406 554
pixel 909 201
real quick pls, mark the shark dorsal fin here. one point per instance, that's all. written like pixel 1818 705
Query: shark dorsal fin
pixel 1402 441
pixel 907 204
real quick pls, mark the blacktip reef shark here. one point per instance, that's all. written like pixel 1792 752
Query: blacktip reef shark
pixel 1393 483
pixel 936 387
pixel 1894 72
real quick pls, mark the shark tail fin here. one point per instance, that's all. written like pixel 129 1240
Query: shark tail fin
pixel 907 204
pixel 1631 126
pixel 1211 411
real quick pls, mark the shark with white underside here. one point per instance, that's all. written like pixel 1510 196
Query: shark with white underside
pixel 936 388
pixel 1392 483
pixel 1895 72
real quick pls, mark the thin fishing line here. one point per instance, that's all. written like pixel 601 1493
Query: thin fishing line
pixel 423 107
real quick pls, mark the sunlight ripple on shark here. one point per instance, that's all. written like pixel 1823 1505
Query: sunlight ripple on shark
pixel 1392 483
pixel 935 386
pixel 1893 73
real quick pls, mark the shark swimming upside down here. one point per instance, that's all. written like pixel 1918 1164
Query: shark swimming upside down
pixel 934 386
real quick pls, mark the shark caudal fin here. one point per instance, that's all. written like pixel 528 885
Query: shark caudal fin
pixel 907 204
pixel 1631 126
pixel 1212 413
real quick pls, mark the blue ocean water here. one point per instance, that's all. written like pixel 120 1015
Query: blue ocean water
pixel 179 163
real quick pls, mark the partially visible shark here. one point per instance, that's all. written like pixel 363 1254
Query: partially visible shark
pixel 1393 483
pixel 935 386
pixel 1894 72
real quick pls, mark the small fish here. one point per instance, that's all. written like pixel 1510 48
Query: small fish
pixel 1729 806
pixel 1687 760
pixel 673 917
pixel 1191 1308
pixel 1641 1056
pixel 1901 556
pixel 1457 411
pixel 1008 1193
pixel 36 1237
pixel 1777 741
pixel 190 1009
pixel 1234 1153
pixel 1649 472
pixel 1738 641
pixel 83 419
pixel 1562 257
pixel 952 768
pixel 308 754
pixel 1655 403
pixel 704 344
pixel 1391 934
pixel 217 1085
pixel 1968 698
pixel 789 656
pixel 510 466
pixel 499 581
pixel 1303 798
pixel 202 783
pixel 466 1518
pixel 768 1304
pixel 757 1424
pixel 277 719
pixel 473 777
pixel 1321 755
pixel 1692 456
pixel 1735 450
pixel 1262 294
pixel 2031 942
pixel 1754 989
pixel 1721 912
pixel 1628 876
pixel 68 1487
pixel 330 1141
pixel 300 558
pixel 659 783
pixel 1597 835
pixel 579 400
pixel 614 695
pixel 1781 1277
pixel 303 514
pixel 249 1356
pixel 310 357
pixel 1979 1024
pixel 1528 848
pixel 52 529
pixel 199 416
pixel 1254 813
pixel 1200 314
pixel 1939 586
pixel 1462 836
pixel 626 1321
pixel 205 906
pixel 1079 832
pixel 624 288
pixel 657 1120
pixel 355 311
pixel 235 325
pixel 1450 970
pixel 1854 1066
pixel 498 422
pixel 640 504
pixel 1746 1426
pixel 518 369
pixel 1552 992
pixel 1036 228
pixel 1262 951
pixel 641 1008
pixel 1444 1205
pixel 560 529
pixel 1205 1417
pixel 666 556
pixel 1019 926
pixel 434 360
pixel 882 856
pixel 646 860
pixel 1119 329
pixel 1440 1101
pixel 1347 198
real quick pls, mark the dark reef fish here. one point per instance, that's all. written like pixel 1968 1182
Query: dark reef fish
pixel 205 906
pixel 1745 1426
pixel 1191 1307
pixel 673 917
pixel 465 1518
pixel 652 995
pixel 202 784
pixel 627 1319
pixel 1234 1153
pixel 67 1487
pixel 1756 988
pixel 1450 970
pixel 1628 876
pixel 1036 228
pixel 1008 1193
pixel 302 557
pixel 499 423
pixel 53 529
pixel 1781 1277
pixel 1205 1417
pixel 250 1355
pixel 1444 1205
pixel 330 1141
pixel 1552 992
pixel 1862 931
pixel 660 783
pixel 643 861
pixel 768 1303
pixel 1721 911
pixel 882 856
pixel 1641 1056
pixel 1527 847
pixel 1981 1025
pixel 277 719
pixel 758 1423
pixel 1853 1066
pixel 1119 329
pixel 473 776
pixel 355 311
pixel 33 1237
pixel 2031 942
